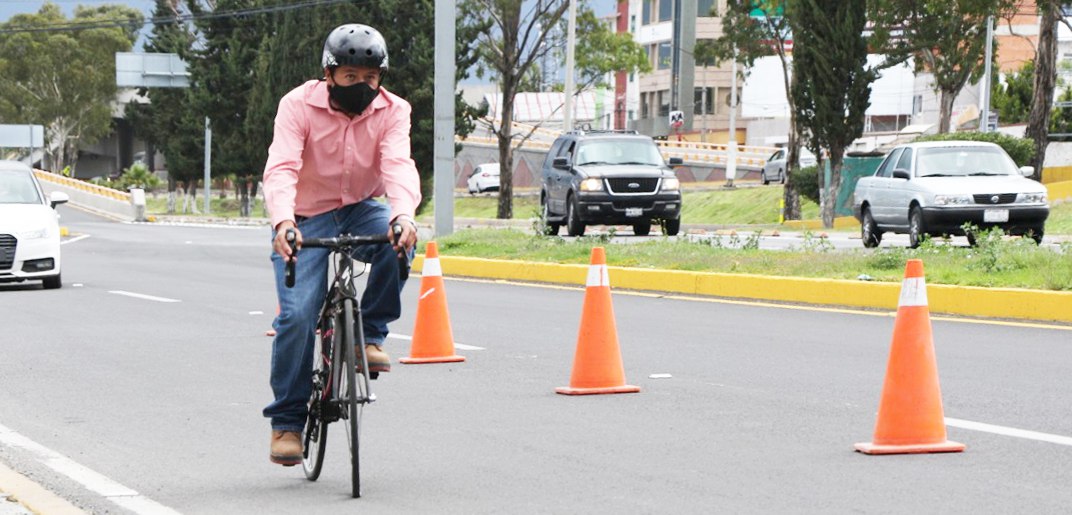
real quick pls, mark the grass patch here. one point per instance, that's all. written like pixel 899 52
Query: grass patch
pixel 222 208
pixel 996 262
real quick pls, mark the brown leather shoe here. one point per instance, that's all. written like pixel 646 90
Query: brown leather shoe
pixel 286 448
pixel 378 360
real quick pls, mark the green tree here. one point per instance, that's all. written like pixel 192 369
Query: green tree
pixel 1038 120
pixel 751 30
pixel 1012 99
pixel 510 40
pixel 949 39
pixel 169 122
pixel 833 81
pixel 64 80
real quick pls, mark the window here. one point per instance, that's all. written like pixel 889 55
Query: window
pixel 703 8
pixel 666 8
pixel 632 24
pixel 645 12
pixel 905 161
pixel 644 110
pixel 704 104
pixel 664 103
pixel 886 169
pixel 664 62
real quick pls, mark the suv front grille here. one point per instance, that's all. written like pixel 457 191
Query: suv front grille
pixel 634 186
pixel 988 198
pixel 7 251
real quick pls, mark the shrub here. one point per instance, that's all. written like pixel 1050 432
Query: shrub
pixel 1021 150
pixel 806 182
pixel 139 176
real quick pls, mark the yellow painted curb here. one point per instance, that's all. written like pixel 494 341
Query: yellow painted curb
pixel 1058 191
pixel 33 496
pixel 1042 305
pixel 841 222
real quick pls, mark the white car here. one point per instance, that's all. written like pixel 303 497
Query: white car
pixel 485 177
pixel 936 187
pixel 774 168
pixel 29 228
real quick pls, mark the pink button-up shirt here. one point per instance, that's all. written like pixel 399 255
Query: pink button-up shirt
pixel 321 160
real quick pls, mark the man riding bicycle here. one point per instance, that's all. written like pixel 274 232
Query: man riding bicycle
pixel 339 142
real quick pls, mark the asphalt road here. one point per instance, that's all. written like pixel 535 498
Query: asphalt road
pixel 759 414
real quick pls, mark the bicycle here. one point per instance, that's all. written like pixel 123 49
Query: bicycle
pixel 340 381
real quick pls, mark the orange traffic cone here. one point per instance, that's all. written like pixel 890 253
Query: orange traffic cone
pixel 433 341
pixel 910 417
pixel 597 364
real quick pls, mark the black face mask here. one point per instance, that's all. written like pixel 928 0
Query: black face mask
pixel 354 98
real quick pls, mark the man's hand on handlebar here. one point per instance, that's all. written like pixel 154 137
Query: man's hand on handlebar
pixel 403 234
pixel 280 244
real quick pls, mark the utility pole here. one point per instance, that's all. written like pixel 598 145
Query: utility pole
pixel 443 105
pixel 208 164
pixel 571 41
pixel 984 95
pixel 731 142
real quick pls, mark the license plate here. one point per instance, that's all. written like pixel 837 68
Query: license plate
pixel 995 215
pixel 634 211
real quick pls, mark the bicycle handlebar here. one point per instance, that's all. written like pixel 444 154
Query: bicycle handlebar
pixel 343 242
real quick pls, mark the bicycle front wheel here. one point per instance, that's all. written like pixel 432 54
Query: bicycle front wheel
pixel 348 388
pixel 315 435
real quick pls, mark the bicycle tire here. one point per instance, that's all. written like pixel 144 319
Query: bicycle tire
pixel 350 407
pixel 315 434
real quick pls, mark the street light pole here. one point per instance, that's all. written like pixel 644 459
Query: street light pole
pixel 571 39
pixel 984 95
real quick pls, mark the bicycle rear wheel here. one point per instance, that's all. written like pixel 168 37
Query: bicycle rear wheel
pixel 315 435
pixel 348 387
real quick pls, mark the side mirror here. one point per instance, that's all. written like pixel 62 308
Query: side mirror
pixel 561 162
pixel 676 161
pixel 901 173
pixel 1027 171
pixel 57 198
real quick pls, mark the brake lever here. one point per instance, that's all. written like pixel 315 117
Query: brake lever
pixel 291 236
pixel 403 259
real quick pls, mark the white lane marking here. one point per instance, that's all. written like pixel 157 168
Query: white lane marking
pixel 457 345
pixel 143 296
pixel 660 376
pixel 94 481
pixel 256 312
pixel 1008 431
pixel 76 238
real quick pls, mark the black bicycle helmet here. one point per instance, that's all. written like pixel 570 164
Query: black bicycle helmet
pixel 356 45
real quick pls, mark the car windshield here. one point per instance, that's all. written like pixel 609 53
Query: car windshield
pixel 17 188
pixel 963 161
pixel 619 152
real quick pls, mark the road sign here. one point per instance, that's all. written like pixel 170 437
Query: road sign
pixel 677 119
pixel 22 136
pixel 150 70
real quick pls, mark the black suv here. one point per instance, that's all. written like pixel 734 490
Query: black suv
pixel 609 178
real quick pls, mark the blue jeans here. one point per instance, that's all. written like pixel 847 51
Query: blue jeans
pixel 299 307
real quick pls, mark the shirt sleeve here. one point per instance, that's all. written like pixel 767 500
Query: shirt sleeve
pixel 284 161
pixel 402 183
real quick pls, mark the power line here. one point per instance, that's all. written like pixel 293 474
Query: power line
pixel 117 22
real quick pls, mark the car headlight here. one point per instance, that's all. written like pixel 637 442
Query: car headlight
pixel 671 184
pixel 35 234
pixel 953 200
pixel 1031 198
pixel 592 184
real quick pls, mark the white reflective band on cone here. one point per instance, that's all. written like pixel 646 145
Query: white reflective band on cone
pixel 597 276
pixel 431 268
pixel 913 292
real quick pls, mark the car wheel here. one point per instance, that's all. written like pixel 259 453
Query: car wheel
pixel 574 225
pixel 671 227
pixel 916 231
pixel 642 228
pixel 869 230
pixel 52 283
pixel 549 228
pixel 972 240
pixel 763 175
pixel 1036 234
pixel 781 176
